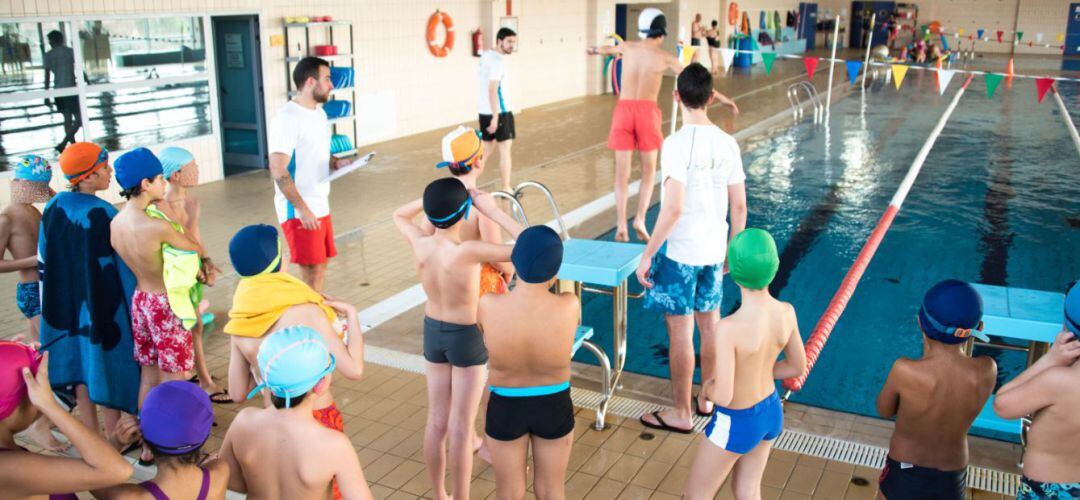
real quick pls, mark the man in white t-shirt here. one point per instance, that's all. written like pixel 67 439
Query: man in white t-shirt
pixel 299 140
pixel 496 119
pixel 702 176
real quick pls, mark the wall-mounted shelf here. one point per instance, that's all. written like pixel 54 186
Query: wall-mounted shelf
pixel 346 59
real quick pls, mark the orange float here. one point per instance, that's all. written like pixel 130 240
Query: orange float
pixel 935 28
pixel 433 24
pixel 733 13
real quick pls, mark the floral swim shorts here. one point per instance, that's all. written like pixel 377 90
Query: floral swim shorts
pixel 160 337
pixel 681 289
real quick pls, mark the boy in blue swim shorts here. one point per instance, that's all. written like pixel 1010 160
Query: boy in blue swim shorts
pixel 682 266
pixel 748 415
pixel 19 234
pixel 1050 391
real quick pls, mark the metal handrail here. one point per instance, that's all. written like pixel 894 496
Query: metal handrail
pixel 516 209
pixel 551 199
pixel 812 95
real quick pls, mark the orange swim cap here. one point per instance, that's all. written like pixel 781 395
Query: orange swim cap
pixel 460 148
pixel 81 159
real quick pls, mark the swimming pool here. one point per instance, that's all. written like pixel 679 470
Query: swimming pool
pixel 997 202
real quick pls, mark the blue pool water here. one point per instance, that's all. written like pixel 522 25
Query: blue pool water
pixel 997 202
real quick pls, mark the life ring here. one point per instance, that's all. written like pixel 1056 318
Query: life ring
pixel 733 13
pixel 432 25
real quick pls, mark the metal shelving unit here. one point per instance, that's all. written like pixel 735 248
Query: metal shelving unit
pixel 294 54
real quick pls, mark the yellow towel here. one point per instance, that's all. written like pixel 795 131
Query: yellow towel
pixel 260 300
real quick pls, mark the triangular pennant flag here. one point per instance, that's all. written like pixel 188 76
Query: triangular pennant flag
pixel 898 72
pixel 1019 35
pixel 1038 37
pixel 1030 44
pixel 960 31
pixel 1061 37
pixel 768 58
pixel 999 33
pixel 686 54
pixel 1043 85
pixel 811 65
pixel 992 81
pixel 943 78
pixel 980 32
pixel 726 57
pixel 853 68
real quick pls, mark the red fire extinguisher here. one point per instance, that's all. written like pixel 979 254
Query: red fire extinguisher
pixel 477 42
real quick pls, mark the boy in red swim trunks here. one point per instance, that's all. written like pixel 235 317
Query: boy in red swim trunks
pixel 635 123
pixel 163 347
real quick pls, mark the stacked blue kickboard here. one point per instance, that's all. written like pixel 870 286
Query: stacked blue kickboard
pixel 342 77
pixel 337 109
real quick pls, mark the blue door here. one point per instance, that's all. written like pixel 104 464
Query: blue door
pixel 807 28
pixel 240 93
pixel 1072 32
pixel 620 20
pixel 861 14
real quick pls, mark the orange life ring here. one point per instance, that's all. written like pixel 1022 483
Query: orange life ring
pixel 433 24
pixel 733 13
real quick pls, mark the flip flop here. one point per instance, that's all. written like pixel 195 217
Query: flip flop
pixel 697 408
pixel 221 398
pixel 663 426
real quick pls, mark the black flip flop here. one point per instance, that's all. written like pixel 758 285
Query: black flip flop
pixel 663 426
pixel 697 408
pixel 221 398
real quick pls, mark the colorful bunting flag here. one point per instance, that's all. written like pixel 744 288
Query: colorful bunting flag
pixel 1019 35
pixel 999 33
pixel 1038 37
pixel 811 65
pixel 768 58
pixel 1061 37
pixel 960 31
pixel 898 72
pixel 944 76
pixel 1043 85
pixel 726 57
pixel 853 68
pixel 686 54
pixel 980 32
pixel 992 81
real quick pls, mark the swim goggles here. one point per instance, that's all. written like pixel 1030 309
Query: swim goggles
pixel 287 390
pixel 466 207
pixel 955 331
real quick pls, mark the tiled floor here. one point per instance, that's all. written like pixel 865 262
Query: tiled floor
pixel 562 146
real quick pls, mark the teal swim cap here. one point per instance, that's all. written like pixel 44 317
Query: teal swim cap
pixel 292 361
pixel 752 259
pixel 173 159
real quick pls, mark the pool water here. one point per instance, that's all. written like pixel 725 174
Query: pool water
pixel 997 202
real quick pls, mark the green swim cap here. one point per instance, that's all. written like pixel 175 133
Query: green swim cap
pixel 752 259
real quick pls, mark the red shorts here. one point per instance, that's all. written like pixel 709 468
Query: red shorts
pixel 635 125
pixel 309 248
pixel 160 337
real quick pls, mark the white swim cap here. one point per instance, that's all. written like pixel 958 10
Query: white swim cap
pixel 652 22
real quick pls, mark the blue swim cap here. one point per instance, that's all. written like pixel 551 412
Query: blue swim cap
pixel 951 312
pixel 255 250
pixel 135 166
pixel 33 168
pixel 1072 310
pixel 173 159
pixel 292 361
pixel 537 254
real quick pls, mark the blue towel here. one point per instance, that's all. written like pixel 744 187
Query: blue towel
pixel 86 298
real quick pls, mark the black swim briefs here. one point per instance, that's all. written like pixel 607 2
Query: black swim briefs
pixel 550 416
pixel 901 481
pixel 459 345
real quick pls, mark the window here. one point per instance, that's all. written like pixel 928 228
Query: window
pixel 120 82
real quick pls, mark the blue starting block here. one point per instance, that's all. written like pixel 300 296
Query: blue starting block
pixel 1017 314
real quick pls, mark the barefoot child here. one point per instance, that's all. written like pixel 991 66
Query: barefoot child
pixel 282 452
pixel 936 398
pixel 163 347
pixel 748 415
pixel 454 349
pixel 529 334
pixel 19 224
pixel 182 207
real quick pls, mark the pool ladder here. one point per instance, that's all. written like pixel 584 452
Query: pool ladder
pixel 795 97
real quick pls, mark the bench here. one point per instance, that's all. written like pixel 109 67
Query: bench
pixel 581 339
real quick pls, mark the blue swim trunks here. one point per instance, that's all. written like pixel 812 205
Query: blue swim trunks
pixel 739 431
pixel 28 297
pixel 1030 489
pixel 680 289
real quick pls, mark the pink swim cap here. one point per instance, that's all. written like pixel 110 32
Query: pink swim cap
pixel 13 357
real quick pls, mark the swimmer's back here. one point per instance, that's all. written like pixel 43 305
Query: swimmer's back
pixel 529 338
pixel 643 69
pixel 759 333
pixel 451 282
pixel 939 399
pixel 1055 432
pixel 296 463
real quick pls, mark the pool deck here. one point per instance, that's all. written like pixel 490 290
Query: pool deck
pixel 561 145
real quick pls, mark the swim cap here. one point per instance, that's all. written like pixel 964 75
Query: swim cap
pixel 446 201
pixel 176 417
pixel 460 150
pixel 135 166
pixel 951 312
pixel 13 358
pixel 752 260
pixel 651 22
pixel 173 159
pixel 81 159
pixel 255 250
pixel 292 361
pixel 1072 310
pixel 537 254
pixel 33 168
